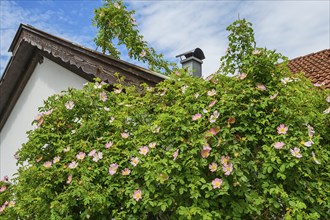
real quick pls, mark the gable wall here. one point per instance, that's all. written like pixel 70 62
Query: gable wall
pixel 47 79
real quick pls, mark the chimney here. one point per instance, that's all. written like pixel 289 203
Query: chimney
pixel 192 60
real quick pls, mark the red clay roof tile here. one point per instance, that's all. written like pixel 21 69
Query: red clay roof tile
pixel 316 66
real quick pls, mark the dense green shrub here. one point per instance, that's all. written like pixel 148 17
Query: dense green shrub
pixel 253 146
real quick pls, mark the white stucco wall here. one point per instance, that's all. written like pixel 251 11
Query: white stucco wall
pixel 47 79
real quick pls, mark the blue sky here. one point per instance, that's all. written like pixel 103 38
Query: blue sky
pixel 295 28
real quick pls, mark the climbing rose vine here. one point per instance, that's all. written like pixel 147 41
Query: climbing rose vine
pixel 252 146
pixel 117 27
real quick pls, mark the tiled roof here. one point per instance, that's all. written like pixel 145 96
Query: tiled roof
pixel 316 66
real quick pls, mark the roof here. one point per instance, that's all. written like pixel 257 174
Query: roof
pixel 316 66
pixel 30 45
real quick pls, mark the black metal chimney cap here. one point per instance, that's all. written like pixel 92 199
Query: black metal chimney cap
pixel 198 53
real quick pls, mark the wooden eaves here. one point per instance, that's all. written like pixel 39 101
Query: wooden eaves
pixel 29 47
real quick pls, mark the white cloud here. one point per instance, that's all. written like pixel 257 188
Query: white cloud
pixel 294 28
pixel 176 27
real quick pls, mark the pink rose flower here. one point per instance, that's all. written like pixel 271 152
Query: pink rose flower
pixel 282 129
pixel 206 151
pixel 137 195
pixel 73 165
pixel 124 135
pixel 92 153
pixel 213 167
pixel 5 179
pixel 103 96
pixel 69 105
pixel 152 145
pixel 296 152
pixel 48 164
pixel 69 179
pixel 224 160
pixel 97 156
pixel 314 158
pixel 81 156
pixel 56 159
pixel 134 161
pixel 216 183
pixel 242 76
pixel 228 168
pixel 279 145
pixel 125 172
pixel 108 145
pixel 113 169
pixel 212 103
pixel 144 150
pixel 261 87
pixel 3 188
pixel 214 130
pixel 273 96
pixel 308 143
pixel 311 131
pixel 196 117
pixel 175 154
pixel 212 92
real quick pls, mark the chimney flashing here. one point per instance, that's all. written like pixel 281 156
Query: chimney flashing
pixel 190 59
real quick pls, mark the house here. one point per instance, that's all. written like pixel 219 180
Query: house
pixel 316 67
pixel 42 65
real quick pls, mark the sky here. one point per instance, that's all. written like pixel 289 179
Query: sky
pixel 292 27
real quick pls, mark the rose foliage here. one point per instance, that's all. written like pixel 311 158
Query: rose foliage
pixel 253 146
pixel 116 27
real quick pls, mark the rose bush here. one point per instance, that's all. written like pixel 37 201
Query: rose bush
pixel 253 146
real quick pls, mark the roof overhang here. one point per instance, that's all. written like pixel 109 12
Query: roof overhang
pixel 29 47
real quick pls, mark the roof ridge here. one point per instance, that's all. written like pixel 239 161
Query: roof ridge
pixel 310 54
pixel 78 47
